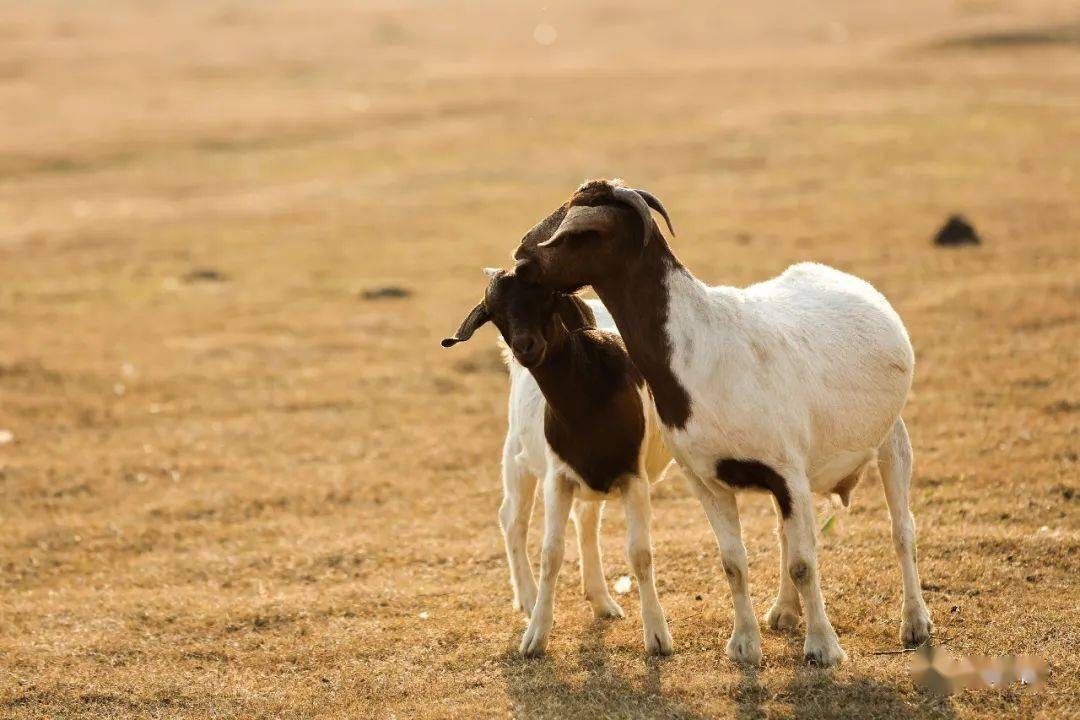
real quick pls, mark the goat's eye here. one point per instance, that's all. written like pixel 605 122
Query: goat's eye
pixel 574 238
pixel 553 242
pixel 570 238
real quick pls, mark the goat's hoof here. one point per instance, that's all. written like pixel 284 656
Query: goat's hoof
pixel 782 617
pixel 658 641
pixel 534 641
pixel 915 628
pixel 745 647
pixel 607 609
pixel 532 653
pixel 823 651
pixel 532 648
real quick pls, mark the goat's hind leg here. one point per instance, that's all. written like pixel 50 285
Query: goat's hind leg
pixel 519 490
pixel 586 516
pixel 895 465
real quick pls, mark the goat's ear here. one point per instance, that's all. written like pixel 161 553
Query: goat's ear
pixel 491 272
pixel 476 317
pixel 574 312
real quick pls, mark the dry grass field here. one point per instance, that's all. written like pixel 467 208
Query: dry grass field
pixel 234 486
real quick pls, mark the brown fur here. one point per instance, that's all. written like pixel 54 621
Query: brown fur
pixel 632 285
pixel 595 418
pixel 745 474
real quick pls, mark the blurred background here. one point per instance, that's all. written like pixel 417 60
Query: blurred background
pixel 239 477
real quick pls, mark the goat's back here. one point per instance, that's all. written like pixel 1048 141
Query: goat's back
pixel 813 363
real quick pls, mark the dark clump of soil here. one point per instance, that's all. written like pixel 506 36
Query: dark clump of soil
pixel 1063 406
pixel 956 231
pixel 388 291
pixel 204 275
pixel 1015 38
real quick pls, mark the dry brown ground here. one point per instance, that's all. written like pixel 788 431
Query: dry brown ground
pixel 235 498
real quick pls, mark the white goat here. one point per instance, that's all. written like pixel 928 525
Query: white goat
pixel 793 386
pixel 581 418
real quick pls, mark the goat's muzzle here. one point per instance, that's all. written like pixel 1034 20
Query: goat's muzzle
pixel 528 350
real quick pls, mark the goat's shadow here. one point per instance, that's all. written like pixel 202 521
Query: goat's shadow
pixel 537 690
pixel 815 693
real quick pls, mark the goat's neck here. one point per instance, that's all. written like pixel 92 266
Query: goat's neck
pixel 559 376
pixel 639 299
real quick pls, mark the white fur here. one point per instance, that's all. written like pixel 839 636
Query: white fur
pixel 526 458
pixel 806 373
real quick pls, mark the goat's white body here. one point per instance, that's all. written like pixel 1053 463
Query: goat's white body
pixel 808 372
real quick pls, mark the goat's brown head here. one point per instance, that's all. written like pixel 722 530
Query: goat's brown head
pixel 602 226
pixel 528 316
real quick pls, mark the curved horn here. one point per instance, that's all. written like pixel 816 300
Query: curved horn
pixel 631 198
pixel 654 202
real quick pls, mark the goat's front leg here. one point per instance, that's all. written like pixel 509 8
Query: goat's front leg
pixel 785 612
pixel 821 646
pixel 558 498
pixel 519 489
pixel 639 550
pixel 723 513
pixel 586 517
